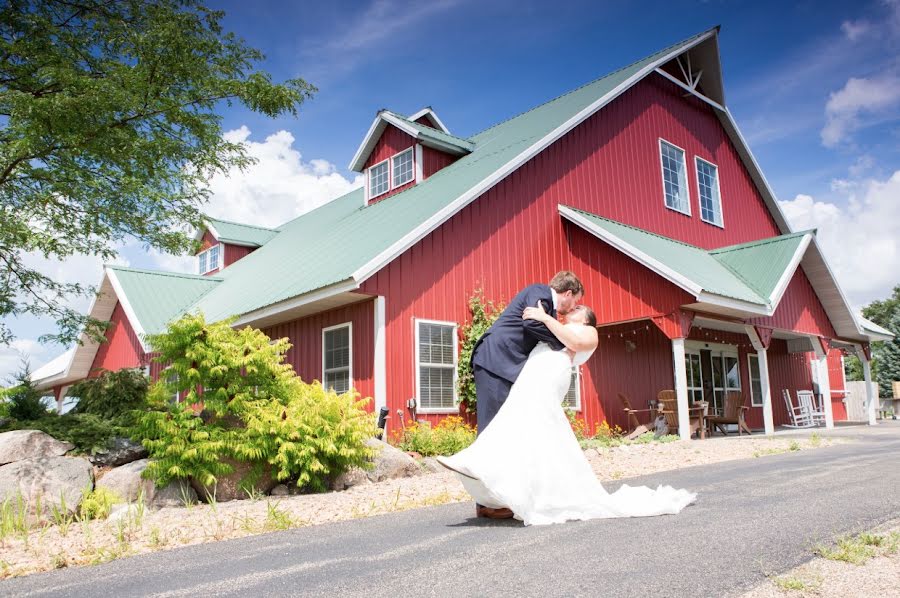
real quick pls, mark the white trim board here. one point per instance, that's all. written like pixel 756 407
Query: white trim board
pixel 432 115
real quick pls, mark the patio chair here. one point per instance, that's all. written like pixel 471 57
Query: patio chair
pixel 669 408
pixel 813 407
pixel 734 413
pixel 635 427
pixel 800 414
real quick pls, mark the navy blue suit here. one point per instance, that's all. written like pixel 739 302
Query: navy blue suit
pixel 501 352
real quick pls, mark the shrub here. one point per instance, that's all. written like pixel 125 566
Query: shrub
pixel 256 410
pixel 89 433
pixel 450 436
pixel 483 316
pixel 579 426
pixel 24 401
pixel 97 503
pixel 111 394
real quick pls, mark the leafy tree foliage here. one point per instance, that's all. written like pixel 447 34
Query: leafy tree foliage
pixel 255 410
pixel 109 132
pixel 885 355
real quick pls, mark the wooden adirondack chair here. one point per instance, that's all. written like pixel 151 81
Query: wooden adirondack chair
pixel 636 428
pixel 669 408
pixel 733 414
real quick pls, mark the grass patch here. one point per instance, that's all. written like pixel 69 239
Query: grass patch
pixel 792 583
pixel 855 550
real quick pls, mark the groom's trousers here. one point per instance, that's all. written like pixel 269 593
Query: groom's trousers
pixel 491 391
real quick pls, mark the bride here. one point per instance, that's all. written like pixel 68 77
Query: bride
pixel 528 459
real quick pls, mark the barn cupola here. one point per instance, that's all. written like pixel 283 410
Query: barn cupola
pixel 698 71
pixel 400 151
pixel 222 243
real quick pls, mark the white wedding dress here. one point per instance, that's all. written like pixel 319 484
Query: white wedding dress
pixel 529 460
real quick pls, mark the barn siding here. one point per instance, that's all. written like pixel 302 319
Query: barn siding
pixel 122 348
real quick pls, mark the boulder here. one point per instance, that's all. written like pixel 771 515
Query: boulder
pixel 280 490
pixel 19 445
pixel 431 465
pixel 352 477
pixel 50 481
pixel 126 481
pixel 120 452
pixel 178 493
pixel 391 462
pixel 229 487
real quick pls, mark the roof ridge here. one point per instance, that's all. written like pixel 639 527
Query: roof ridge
pixel 438 131
pixel 759 242
pixel 598 79
pixel 164 273
pixel 265 228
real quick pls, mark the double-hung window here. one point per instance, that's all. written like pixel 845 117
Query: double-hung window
pixel 674 175
pixel 402 165
pixel 209 260
pixel 337 357
pixel 708 186
pixel 436 355
pixel 379 179
pixel 572 399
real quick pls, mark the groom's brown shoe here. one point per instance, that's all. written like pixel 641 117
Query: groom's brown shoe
pixel 491 513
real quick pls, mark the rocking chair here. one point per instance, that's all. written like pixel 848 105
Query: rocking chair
pixel 735 411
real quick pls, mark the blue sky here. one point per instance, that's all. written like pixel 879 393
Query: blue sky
pixel 814 86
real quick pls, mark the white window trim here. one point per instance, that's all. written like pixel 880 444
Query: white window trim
pixel 455 408
pixel 412 172
pixel 751 356
pixel 662 177
pixel 349 326
pixel 697 160
pixel 416 172
pixel 207 251
pixel 577 407
pixel 369 179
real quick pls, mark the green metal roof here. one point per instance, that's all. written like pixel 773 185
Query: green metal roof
pixel 692 263
pixel 760 264
pixel 157 298
pixel 241 234
pixel 436 134
pixel 328 245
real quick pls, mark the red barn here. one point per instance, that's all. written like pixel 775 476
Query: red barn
pixel 639 182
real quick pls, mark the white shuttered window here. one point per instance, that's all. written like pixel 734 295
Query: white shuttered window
pixel 436 356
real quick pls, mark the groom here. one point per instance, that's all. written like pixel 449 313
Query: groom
pixel 501 352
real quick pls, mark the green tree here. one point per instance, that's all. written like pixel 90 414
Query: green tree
pixel 24 401
pixel 483 316
pixel 109 132
pixel 885 355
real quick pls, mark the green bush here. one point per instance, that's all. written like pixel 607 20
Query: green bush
pixel 256 410
pixel 111 394
pixel 450 436
pixel 97 503
pixel 484 314
pixel 89 433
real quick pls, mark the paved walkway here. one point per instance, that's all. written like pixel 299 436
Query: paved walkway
pixel 753 517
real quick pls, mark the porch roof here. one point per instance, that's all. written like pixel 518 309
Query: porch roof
pixel 745 280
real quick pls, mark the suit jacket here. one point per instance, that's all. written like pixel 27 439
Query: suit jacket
pixel 505 347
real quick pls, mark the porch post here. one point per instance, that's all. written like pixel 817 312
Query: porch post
pixel 681 392
pixel 380 351
pixel 871 397
pixel 824 380
pixel 765 386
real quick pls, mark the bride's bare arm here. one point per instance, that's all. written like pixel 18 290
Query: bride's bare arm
pixel 575 338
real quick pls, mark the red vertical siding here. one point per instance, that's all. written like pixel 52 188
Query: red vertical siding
pixel 433 160
pixel 426 120
pixel 232 253
pixel 836 380
pixel 305 335
pixel 122 349
pixel 799 310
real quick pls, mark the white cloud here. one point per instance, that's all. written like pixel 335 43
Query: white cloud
pixel 857 100
pixel 280 186
pixel 11 357
pixel 855 29
pixel 859 237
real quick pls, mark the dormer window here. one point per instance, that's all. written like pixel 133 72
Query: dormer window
pixel 379 179
pixel 209 260
pixel 402 165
